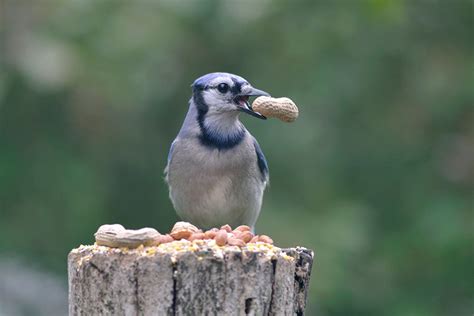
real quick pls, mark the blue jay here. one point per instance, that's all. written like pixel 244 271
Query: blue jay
pixel 216 171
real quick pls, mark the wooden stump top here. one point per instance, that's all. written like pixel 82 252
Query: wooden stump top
pixel 183 277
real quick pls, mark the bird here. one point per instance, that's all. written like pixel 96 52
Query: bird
pixel 216 171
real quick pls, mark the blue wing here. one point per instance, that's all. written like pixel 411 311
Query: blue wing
pixel 170 153
pixel 262 162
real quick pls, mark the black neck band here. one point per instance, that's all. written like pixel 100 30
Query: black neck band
pixel 208 136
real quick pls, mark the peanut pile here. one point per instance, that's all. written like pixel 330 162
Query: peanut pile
pixel 282 108
pixel 116 236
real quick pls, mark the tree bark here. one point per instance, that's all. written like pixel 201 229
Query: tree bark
pixel 108 281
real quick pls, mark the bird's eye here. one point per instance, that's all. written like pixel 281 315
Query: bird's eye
pixel 223 87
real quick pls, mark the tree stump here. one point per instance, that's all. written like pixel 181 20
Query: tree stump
pixel 189 278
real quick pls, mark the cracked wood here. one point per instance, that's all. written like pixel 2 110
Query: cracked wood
pixel 197 283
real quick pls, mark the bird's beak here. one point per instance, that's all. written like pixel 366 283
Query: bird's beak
pixel 243 104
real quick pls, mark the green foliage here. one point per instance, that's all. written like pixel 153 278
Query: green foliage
pixel 376 176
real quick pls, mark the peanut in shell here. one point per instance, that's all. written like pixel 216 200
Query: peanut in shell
pixel 282 108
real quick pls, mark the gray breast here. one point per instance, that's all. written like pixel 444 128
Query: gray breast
pixel 211 187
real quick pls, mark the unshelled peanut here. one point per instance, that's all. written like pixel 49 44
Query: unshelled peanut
pixel 282 108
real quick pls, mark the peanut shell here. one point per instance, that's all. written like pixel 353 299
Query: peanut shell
pixel 164 239
pixel 183 230
pixel 117 236
pixel 282 108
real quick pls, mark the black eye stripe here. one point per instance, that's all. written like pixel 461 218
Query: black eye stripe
pixel 237 88
pixel 224 87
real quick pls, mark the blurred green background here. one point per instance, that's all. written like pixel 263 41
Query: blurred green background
pixel 376 176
